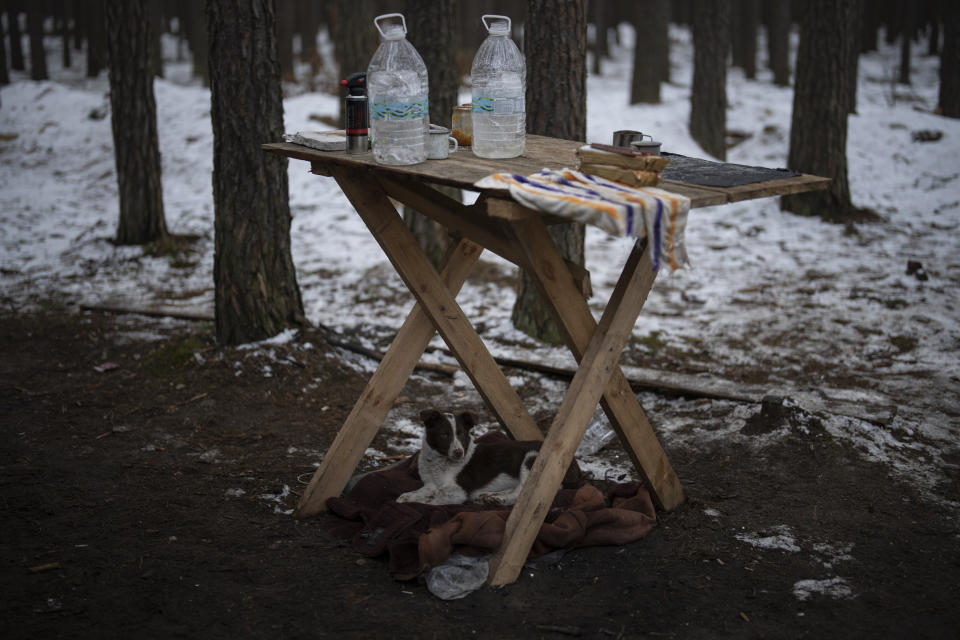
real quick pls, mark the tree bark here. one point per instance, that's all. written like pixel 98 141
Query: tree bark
pixel 950 61
pixel 935 18
pixel 871 26
pixel 254 277
pixel 96 38
pixel 555 45
pixel 431 25
pixel 818 131
pixel 778 40
pixel 651 51
pixel 17 63
pixel 66 12
pixel 744 35
pixel 599 11
pixel 195 29
pixel 286 17
pixel 853 51
pixel 354 38
pixel 4 69
pixel 155 18
pixel 907 17
pixel 38 55
pixel 711 37
pixel 308 24
pixel 134 119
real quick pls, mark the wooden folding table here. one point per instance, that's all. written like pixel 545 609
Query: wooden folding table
pixel 518 234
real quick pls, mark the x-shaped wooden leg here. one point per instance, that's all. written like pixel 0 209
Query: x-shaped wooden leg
pixel 436 309
pixel 598 376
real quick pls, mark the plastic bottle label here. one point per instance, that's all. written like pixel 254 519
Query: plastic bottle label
pixel 498 106
pixel 387 110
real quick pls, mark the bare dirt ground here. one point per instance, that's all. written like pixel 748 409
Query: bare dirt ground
pixel 141 489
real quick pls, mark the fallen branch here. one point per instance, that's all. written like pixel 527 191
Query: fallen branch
pixel 445 369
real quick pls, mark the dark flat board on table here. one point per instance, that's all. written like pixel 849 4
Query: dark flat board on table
pixel 707 173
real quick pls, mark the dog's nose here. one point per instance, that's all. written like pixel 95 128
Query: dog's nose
pixel 457 454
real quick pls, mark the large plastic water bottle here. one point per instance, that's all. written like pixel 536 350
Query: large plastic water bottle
pixel 397 90
pixel 499 78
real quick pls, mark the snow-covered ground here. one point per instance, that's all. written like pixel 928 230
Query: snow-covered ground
pixel 799 299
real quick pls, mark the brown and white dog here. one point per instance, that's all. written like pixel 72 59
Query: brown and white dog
pixel 455 469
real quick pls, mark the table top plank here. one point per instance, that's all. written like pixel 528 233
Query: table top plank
pixel 462 169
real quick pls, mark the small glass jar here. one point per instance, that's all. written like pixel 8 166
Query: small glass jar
pixel 462 124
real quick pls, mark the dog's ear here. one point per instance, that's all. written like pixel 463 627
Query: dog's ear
pixel 431 416
pixel 468 419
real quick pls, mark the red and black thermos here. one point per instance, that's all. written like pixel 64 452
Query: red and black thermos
pixel 356 113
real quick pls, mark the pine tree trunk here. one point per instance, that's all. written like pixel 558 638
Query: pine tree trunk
pixel 195 28
pixel 936 17
pixel 708 117
pixel 96 38
pixel 853 51
pixel 950 61
pixel 134 119
pixel 431 25
pixel 354 38
pixel 286 17
pixel 256 286
pixel 744 24
pixel 4 69
pixel 308 24
pixel 906 35
pixel 651 51
pixel 555 45
pixel 601 46
pixel 38 55
pixel 778 40
pixel 869 34
pixel 17 62
pixel 155 18
pixel 818 131
pixel 66 12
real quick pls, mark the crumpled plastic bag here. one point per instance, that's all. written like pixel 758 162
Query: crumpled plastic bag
pixel 459 576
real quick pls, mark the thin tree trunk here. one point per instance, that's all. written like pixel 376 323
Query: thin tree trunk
pixel 869 34
pixel 950 61
pixel 194 25
pixel 555 45
pixel 744 30
pixel 853 51
pixel 286 17
pixel 254 277
pixel 908 15
pixel 66 11
pixel 651 51
pixel 354 38
pixel 17 62
pixel 936 16
pixel 818 131
pixel 308 24
pixel 708 117
pixel 778 40
pixel 601 47
pixel 134 119
pixel 96 37
pixel 38 55
pixel 431 25
pixel 155 18
pixel 4 70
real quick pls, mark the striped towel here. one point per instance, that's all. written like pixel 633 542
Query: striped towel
pixel 616 208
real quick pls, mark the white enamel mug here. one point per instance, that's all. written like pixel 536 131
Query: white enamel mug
pixel 439 143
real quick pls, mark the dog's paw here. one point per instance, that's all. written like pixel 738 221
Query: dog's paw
pixel 492 499
pixel 408 497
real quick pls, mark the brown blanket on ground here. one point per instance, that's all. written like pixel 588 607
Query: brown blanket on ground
pixel 418 536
